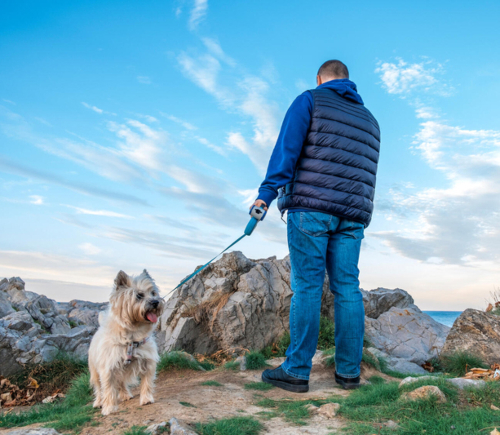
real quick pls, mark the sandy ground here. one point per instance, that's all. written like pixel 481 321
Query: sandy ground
pixel 230 400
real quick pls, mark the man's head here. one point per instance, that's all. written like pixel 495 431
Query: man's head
pixel 332 70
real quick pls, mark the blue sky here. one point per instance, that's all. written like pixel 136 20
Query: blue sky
pixel 134 135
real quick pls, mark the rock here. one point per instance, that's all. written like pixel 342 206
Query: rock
pixel 406 333
pixel 318 357
pixel 475 332
pixel 391 424
pixel 379 301
pixel 329 410
pixel 397 364
pixel 312 409
pixel 424 393
pixel 155 429
pixel 238 303
pixel 243 362
pixel 35 431
pixel 467 383
pixel 177 428
pixel 5 305
pixel 411 380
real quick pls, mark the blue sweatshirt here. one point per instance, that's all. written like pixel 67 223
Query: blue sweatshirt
pixel 293 133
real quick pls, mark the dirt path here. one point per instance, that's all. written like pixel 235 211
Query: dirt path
pixel 218 402
pixel 230 400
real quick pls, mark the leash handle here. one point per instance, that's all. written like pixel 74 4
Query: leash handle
pixel 258 214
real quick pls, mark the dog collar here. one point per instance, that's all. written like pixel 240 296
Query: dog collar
pixel 130 349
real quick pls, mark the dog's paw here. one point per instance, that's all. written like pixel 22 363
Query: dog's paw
pixel 146 400
pixel 97 404
pixel 106 410
pixel 126 396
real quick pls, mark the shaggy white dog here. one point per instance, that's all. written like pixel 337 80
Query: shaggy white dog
pixel 123 348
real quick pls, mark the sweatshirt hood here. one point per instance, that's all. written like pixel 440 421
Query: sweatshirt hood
pixel 345 88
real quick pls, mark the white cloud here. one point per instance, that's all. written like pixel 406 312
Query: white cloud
pixel 403 78
pixel 198 13
pixel 457 224
pixel 148 118
pixel 99 212
pixel 145 80
pixel 244 94
pixel 185 124
pixel 36 199
pixel 94 108
pixel 89 249
pixel 8 101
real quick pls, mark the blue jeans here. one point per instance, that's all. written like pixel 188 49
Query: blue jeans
pixel 319 241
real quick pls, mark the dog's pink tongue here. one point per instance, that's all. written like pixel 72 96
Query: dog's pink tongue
pixel 152 317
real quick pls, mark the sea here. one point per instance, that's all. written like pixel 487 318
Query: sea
pixel 445 317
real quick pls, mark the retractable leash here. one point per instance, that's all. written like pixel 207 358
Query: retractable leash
pixel 258 214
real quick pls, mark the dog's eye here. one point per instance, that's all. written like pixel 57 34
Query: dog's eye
pixel 140 296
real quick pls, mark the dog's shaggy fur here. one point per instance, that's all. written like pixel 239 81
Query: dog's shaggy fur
pixel 135 306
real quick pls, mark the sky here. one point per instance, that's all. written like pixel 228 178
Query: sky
pixel 135 135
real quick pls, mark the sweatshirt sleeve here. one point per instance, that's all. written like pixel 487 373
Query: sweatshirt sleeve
pixel 288 147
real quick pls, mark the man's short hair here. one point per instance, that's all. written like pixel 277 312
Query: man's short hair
pixel 333 68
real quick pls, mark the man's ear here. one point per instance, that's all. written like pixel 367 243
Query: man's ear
pixel 122 280
pixel 318 80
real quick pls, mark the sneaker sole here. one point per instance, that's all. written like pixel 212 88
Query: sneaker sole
pixel 346 386
pixel 285 385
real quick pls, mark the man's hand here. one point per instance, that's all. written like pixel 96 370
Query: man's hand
pixel 259 203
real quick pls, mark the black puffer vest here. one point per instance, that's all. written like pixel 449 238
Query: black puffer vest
pixel 337 168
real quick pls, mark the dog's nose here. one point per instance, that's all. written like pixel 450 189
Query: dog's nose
pixel 155 303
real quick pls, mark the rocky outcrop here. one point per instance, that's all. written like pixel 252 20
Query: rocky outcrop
pixel 407 333
pixel 475 332
pixel 238 303
pixel 395 364
pixel 34 328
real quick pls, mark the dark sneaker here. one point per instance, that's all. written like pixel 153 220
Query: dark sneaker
pixel 347 383
pixel 280 379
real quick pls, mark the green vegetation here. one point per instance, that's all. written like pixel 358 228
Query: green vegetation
pixel 71 413
pixel 256 360
pixel 51 376
pixel 176 360
pixel 136 430
pixel 459 363
pixel 231 426
pixel 366 409
pixel 73 324
pixel 294 412
pixel 207 365
pixel 278 349
pixel 211 384
pixel 326 338
pixel 187 404
pixel 232 365
pixel 262 386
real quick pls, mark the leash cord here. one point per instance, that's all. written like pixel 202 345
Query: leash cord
pixel 203 267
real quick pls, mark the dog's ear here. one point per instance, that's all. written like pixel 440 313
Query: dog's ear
pixel 122 280
pixel 146 274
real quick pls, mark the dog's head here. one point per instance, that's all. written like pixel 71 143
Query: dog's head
pixel 136 300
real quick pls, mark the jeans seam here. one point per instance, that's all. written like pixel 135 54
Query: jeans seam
pixel 348 376
pixel 293 375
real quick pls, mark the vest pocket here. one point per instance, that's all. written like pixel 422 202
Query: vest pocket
pixel 314 223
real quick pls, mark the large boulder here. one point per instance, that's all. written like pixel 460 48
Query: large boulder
pixel 475 332
pixel 241 303
pixel 407 333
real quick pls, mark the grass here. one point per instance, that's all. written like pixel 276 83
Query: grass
pixel 294 412
pixel 73 412
pixel 232 365
pixel 261 386
pixel 72 324
pixel 256 360
pixel 136 430
pixel 326 338
pixel 187 404
pixel 51 376
pixel 176 360
pixel 231 426
pixel 459 363
pixel 211 384
pixel 365 409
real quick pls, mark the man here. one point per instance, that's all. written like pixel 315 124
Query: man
pixel 323 171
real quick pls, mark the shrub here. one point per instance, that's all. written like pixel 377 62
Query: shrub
pixel 255 360
pixel 176 360
pixel 326 338
pixel 461 362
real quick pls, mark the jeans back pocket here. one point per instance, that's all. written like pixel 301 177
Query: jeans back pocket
pixel 314 223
